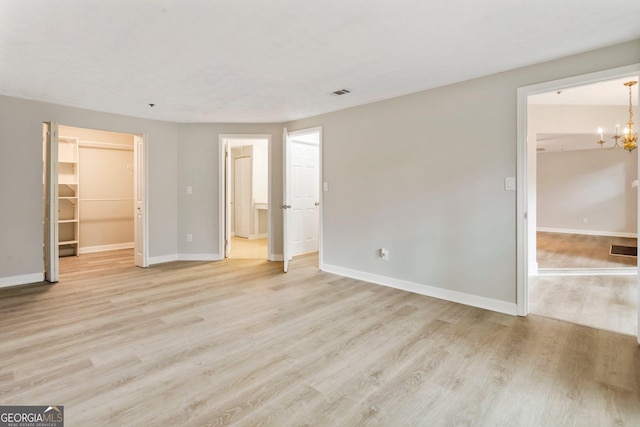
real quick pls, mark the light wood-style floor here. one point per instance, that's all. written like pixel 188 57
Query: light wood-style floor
pixel 240 343
pixel 558 250
pixel 248 249
pixel 590 296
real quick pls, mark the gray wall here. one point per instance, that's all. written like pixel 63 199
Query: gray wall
pixel 21 232
pixel 592 184
pixel 423 176
pixel 198 167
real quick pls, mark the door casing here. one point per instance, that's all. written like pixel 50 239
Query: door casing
pixel 525 220
pixel 141 251
pixel 224 236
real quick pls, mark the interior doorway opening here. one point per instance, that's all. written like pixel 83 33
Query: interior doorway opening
pixel 245 220
pixel 94 196
pixel 559 163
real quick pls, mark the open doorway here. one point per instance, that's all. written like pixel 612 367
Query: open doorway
pixel 302 217
pixel 94 198
pixel 246 215
pixel 581 202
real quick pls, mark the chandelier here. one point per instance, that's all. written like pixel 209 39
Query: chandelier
pixel 629 139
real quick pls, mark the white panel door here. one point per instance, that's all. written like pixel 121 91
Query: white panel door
pixel 304 197
pixel 140 208
pixel 242 196
pixel 286 197
pixel 227 200
pixel 51 250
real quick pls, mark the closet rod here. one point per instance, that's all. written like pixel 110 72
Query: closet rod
pixel 105 145
pixel 107 200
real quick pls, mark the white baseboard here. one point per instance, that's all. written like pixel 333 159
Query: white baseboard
pixel 104 248
pixel 162 259
pixel 183 257
pixel 198 257
pixel 533 268
pixel 258 236
pixel 587 232
pixel 23 279
pixel 276 257
pixel 430 291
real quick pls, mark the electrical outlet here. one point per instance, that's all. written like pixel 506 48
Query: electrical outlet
pixel 189 237
pixel 384 254
pixel 585 220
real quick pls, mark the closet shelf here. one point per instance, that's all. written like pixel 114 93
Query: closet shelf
pixel 108 200
pixel 68 195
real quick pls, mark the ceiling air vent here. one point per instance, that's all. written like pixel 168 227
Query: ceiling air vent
pixel 541 149
pixel 340 92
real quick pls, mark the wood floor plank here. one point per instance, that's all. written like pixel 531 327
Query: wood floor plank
pixel 240 343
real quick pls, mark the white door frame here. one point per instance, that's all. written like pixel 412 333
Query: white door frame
pixel 292 135
pixel 51 249
pixel 140 190
pixel 222 180
pixel 286 198
pixel 525 220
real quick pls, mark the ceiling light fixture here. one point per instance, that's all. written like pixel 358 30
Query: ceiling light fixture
pixel 629 138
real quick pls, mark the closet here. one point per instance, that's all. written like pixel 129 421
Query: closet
pixel 68 190
pixel 95 191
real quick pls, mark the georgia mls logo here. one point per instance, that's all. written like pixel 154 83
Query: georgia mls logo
pixel 32 416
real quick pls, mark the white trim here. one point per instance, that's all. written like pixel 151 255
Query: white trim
pixel 221 182
pixel 145 193
pixel 162 259
pixel 183 257
pixel 630 271
pixel 104 248
pixel 199 257
pixel 258 236
pixel 23 279
pixel 587 232
pixel 430 291
pixel 51 200
pixel 522 255
pixel 276 257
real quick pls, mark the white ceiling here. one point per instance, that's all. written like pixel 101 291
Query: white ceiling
pixel 273 61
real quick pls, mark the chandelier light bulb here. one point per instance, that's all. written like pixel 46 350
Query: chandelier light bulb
pixel 629 137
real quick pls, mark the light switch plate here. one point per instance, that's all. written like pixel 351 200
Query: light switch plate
pixel 510 183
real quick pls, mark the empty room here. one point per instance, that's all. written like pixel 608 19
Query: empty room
pixel 319 213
